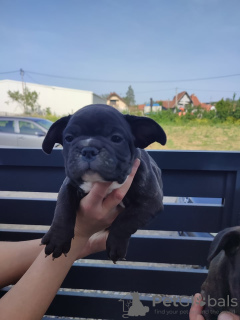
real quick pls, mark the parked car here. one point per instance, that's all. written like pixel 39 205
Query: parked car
pixel 23 132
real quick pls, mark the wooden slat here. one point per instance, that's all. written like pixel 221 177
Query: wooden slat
pixel 20 234
pixel 30 158
pixel 32 179
pixel 176 183
pixel 124 278
pixel 182 183
pixel 188 217
pixel 110 306
pixel 29 212
pixel 196 160
pixel 176 250
pixel 166 159
pixel 172 250
pixel 175 217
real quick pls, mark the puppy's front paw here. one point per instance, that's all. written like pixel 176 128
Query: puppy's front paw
pixel 57 242
pixel 116 247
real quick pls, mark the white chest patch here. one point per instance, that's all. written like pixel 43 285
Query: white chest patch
pixel 89 180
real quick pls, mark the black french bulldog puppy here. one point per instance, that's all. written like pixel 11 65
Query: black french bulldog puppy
pixel 221 289
pixel 101 144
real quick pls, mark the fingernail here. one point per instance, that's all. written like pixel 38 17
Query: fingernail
pixel 225 316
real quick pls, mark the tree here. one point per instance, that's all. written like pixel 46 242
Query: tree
pixel 224 109
pixel 27 99
pixel 130 97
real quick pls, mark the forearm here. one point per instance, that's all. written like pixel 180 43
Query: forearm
pixel 16 258
pixel 28 302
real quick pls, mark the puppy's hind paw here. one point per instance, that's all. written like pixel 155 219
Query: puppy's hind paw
pixel 116 248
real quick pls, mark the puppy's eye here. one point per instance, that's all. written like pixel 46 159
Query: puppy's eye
pixel 116 138
pixel 69 138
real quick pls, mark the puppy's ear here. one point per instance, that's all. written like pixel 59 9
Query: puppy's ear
pixel 145 131
pixel 54 134
pixel 227 240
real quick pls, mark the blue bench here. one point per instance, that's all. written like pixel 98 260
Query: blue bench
pixel 165 289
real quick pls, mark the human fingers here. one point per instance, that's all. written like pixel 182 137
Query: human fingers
pixel 228 316
pixel 195 312
pixel 116 196
pixel 96 194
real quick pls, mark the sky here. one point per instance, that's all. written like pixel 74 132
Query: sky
pixel 107 45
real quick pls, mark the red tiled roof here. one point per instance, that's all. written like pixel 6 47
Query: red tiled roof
pixel 141 107
pixel 168 104
pixel 197 103
pixel 206 106
pixel 195 100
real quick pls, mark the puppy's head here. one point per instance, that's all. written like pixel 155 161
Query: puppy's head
pixel 99 143
pixel 229 241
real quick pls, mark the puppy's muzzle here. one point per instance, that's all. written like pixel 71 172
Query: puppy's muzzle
pixel 89 153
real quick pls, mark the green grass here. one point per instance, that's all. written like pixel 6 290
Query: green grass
pixel 200 137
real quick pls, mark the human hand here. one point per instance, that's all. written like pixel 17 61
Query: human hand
pixel 196 311
pixel 98 210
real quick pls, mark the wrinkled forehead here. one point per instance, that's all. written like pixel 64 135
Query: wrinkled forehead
pixel 97 121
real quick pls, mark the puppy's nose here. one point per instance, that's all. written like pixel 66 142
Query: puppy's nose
pixel 89 153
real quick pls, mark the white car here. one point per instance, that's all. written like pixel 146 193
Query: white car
pixel 23 132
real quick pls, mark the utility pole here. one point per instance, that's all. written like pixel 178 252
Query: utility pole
pixel 151 103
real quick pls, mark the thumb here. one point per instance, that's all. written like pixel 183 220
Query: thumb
pixel 116 196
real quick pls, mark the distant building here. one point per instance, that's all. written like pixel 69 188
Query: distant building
pixel 182 100
pixel 117 102
pixel 155 108
pixel 61 101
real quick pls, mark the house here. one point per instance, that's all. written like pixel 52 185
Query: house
pixel 155 108
pixel 179 101
pixel 61 101
pixel 117 102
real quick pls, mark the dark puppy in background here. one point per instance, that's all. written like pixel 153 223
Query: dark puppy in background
pixel 101 144
pixel 221 289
